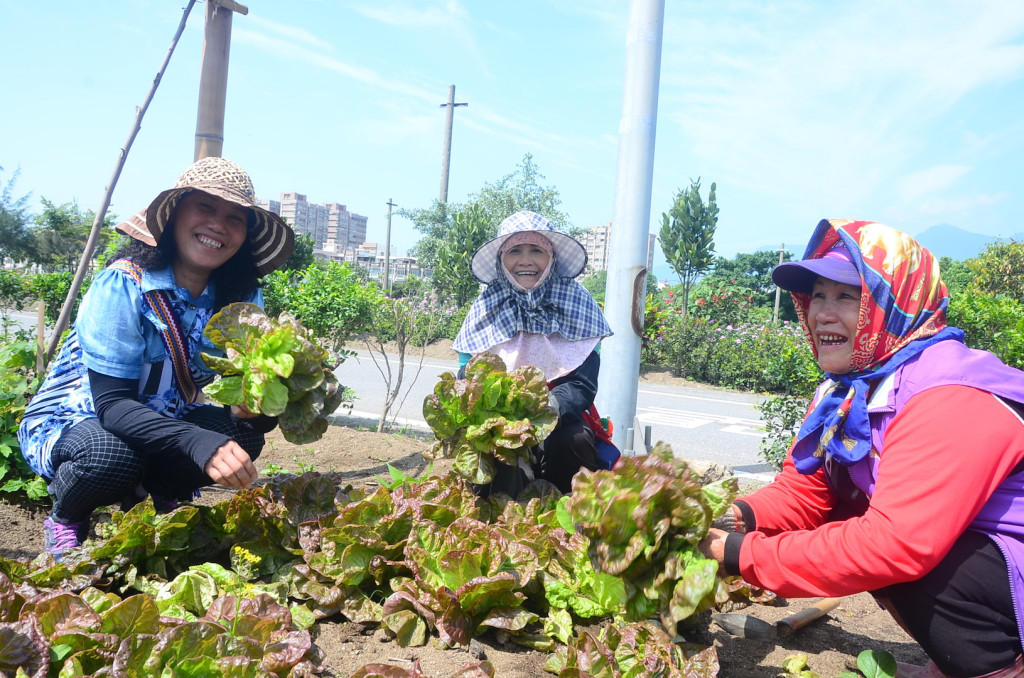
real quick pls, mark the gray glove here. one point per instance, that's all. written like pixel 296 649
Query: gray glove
pixel 729 521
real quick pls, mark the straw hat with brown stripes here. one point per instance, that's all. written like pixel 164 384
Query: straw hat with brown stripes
pixel 271 238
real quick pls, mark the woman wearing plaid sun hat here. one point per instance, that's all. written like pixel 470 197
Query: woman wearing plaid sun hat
pixel 533 312
pixel 117 416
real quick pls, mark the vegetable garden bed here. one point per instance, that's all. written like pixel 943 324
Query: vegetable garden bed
pixel 360 457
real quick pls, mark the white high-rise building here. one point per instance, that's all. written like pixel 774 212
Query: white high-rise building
pixel 597 241
pixel 332 226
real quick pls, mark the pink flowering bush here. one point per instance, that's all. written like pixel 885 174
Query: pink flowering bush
pixel 724 340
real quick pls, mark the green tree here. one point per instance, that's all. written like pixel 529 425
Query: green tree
pixel 302 255
pixel 453 277
pixel 753 273
pixel 999 269
pixel 956 274
pixel 328 298
pixel 520 190
pixel 61 232
pixel 433 222
pixel 991 323
pixel 15 241
pixel 688 235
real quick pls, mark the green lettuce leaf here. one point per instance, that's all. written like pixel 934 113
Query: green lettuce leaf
pixel 273 367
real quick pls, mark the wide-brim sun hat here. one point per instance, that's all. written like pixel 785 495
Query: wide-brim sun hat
pixel 570 255
pixel 836 264
pixel 270 237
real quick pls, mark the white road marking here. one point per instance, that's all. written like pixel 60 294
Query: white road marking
pixel 665 416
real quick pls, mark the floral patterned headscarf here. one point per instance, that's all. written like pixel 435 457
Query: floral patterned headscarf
pixel 902 312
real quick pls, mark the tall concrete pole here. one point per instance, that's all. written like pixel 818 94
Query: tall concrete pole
pixel 627 267
pixel 213 78
pixel 446 155
pixel 387 248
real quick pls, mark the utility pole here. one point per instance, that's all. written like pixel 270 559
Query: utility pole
pixel 631 224
pixel 387 249
pixel 778 290
pixel 446 155
pixel 213 78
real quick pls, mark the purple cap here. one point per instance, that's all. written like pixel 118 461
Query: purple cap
pixel 799 276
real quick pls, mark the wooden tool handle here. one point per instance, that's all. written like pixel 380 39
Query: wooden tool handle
pixel 807 615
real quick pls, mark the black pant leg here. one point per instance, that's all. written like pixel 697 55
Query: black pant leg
pixel 961 612
pixel 92 468
pixel 569 448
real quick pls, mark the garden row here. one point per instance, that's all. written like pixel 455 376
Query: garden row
pixel 233 589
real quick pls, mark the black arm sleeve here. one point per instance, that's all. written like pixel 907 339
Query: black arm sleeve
pixel 140 427
pixel 576 391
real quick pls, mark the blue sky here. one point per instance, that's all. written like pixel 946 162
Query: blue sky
pixel 907 112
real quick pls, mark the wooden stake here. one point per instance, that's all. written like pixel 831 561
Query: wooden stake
pixel 40 335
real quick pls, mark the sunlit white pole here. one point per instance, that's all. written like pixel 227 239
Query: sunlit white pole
pixel 627 266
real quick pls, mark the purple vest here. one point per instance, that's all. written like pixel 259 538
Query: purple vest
pixel 951 363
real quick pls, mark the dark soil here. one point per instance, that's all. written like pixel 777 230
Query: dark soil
pixel 831 644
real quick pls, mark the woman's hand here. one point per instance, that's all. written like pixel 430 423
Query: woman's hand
pixel 242 412
pixel 713 545
pixel 231 466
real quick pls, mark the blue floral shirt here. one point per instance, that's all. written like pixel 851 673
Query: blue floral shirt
pixel 119 335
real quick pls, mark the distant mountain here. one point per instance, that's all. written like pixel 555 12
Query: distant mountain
pixel 945 240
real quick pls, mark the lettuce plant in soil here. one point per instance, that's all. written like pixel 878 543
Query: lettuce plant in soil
pixel 273 367
pixel 643 521
pixel 492 416
pixel 234 588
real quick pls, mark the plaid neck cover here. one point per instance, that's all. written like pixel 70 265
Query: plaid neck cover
pixel 556 305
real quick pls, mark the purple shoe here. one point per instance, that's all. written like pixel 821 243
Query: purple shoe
pixel 58 537
pixel 164 505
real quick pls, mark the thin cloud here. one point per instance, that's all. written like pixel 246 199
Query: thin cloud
pixel 287 49
pixel 835 101
pixel 932 180
pixel 292 33
pixel 283 44
pixel 452 16
pixel 964 206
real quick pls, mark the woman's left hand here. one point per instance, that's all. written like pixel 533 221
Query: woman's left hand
pixel 230 466
pixel 713 545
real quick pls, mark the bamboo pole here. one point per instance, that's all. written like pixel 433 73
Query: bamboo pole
pixel 40 335
pixel 101 213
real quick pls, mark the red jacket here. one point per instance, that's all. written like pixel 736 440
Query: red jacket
pixel 944 455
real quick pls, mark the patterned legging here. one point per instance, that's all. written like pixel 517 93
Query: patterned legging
pixel 93 467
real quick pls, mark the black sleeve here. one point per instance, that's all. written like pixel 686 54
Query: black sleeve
pixel 138 426
pixel 749 521
pixel 731 562
pixel 576 391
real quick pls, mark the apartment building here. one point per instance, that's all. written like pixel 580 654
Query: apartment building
pixel 333 227
pixel 597 242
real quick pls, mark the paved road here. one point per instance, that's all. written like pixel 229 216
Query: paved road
pixel 702 424
pixel 699 423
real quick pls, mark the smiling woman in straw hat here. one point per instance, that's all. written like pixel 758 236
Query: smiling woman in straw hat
pixel 533 312
pixel 117 416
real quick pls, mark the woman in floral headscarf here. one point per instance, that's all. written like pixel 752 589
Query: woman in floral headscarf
pixel 907 476
pixel 533 312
